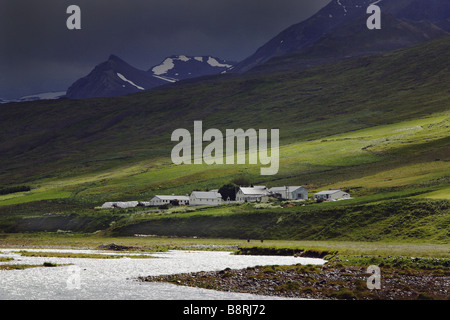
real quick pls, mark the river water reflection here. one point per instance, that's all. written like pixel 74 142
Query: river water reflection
pixel 111 279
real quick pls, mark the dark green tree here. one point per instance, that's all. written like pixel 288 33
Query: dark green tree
pixel 228 191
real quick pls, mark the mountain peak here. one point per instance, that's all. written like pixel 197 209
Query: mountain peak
pixel 115 77
pixel 111 78
pixel 116 59
pixel 113 57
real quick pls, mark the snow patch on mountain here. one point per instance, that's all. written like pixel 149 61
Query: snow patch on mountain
pixel 164 67
pixel 181 67
pixel 166 78
pixel 130 82
pixel 339 3
pixel 214 63
pixel 184 58
pixel 170 63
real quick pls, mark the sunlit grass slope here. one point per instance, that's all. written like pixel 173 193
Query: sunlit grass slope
pixel 369 158
pixel 372 125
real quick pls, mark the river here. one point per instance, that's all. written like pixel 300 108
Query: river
pixel 116 279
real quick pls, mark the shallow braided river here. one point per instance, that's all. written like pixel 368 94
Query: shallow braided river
pixel 110 279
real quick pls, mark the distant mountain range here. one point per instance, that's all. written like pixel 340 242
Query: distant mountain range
pixel 115 77
pixel 338 31
pixel 37 96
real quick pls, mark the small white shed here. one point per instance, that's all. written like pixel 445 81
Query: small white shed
pixel 331 195
pixel 121 204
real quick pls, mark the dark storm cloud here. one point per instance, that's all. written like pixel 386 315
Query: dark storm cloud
pixel 38 53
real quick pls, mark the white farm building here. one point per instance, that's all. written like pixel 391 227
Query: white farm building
pixel 290 192
pixel 331 195
pixel 253 194
pixel 162 200
pixel 205 198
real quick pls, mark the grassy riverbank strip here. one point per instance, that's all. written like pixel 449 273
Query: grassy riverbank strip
pixel 24 253
pixel 27 266
pixel 69 240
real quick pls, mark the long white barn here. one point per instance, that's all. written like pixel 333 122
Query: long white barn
pixel 162 200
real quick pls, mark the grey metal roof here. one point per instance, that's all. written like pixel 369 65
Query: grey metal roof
pixel 329 191
pixel 173 197
pixel 121 204
pixel 254 191
pixel 206 194
pixel 283 189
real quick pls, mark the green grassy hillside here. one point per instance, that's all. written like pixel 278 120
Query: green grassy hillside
pixel 377 126
pixel 389 220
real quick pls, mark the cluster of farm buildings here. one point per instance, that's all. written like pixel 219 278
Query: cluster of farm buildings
pixel 243 195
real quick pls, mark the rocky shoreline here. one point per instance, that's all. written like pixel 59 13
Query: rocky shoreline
pixel 319 282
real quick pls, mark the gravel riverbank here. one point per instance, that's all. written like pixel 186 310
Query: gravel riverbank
pixel 319 282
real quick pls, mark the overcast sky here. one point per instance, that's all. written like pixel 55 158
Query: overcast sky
pixel 39 54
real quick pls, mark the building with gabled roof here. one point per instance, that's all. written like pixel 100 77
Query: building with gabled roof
pixel 253 194
pixel 331 195
pixel 160 200
pixel 205 198
pixel 290 192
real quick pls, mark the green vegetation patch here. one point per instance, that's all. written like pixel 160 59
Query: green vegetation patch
pixel 283 251
pixel 81 255
pixel 393 262
pixel 26 266
pixel 9 190
pixel 5 259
